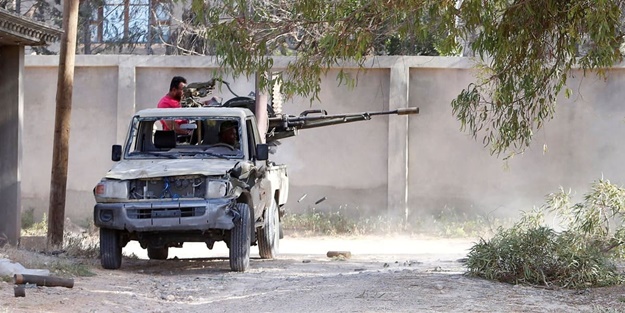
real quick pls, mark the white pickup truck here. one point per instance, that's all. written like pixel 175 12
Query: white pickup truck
pixel 179 179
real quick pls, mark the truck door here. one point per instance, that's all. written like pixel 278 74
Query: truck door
pixel 261 191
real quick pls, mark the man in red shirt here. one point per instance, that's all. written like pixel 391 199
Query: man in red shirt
pixel 172 99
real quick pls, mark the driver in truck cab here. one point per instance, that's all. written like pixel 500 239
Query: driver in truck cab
pixel 229 133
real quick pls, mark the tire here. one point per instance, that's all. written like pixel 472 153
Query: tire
pixel 269 234
pixel 240 240
pixel 110 249
pixel 158 253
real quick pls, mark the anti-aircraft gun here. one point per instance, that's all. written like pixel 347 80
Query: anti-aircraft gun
pixel 283 126
pixel 280 125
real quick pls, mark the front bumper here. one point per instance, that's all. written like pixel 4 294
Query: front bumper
pixel 170 215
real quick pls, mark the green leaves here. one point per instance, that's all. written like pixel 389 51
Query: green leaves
pixel 321 34
pixel 525 49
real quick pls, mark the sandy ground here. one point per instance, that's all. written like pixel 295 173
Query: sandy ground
pixel 399 274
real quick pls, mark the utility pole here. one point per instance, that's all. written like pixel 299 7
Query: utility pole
pixel 60 149
pixel 262 117
pixel 262 97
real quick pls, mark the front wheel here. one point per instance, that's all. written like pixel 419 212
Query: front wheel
pixel 110 249
pixel 269 234
pixel 240 240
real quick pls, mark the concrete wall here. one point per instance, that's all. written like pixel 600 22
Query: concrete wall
pixel 409 166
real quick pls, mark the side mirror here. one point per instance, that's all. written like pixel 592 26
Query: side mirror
pixel 262 152
pixel 116 153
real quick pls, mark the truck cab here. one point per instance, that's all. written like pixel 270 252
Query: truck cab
pixel 191 175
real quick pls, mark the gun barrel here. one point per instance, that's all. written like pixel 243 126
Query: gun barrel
pixel 402 111
pixel 406 111
pixel 352 116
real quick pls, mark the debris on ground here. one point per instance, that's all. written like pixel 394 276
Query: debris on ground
pixel 23 280
pixel 335 254
pixel 44 281
pixel 9 268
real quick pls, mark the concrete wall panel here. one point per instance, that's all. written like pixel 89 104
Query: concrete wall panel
pixel 449 170
pixel 94 116
pixel 346 163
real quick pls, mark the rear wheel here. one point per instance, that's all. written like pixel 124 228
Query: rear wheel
pixel 110 249
pixel 158 253
pixel 269 235
pixel 240 240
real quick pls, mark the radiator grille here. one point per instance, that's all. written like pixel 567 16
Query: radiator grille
pixel 165 212
pixel 174 187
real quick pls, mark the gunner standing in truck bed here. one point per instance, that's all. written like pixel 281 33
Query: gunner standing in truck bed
pixel 172 100
pixel 173 97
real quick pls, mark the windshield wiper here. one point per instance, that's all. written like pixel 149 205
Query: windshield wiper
pixel 217 155
pixel 231 155
pixel 158 154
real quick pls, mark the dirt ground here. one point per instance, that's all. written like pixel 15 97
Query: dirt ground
pixel 391 274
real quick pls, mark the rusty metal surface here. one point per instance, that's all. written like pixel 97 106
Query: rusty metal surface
pixel 19 291
pixel 44 281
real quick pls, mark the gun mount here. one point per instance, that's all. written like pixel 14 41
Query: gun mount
pixel 280 125
pixel 194 91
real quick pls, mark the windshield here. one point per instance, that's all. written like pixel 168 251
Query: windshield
pixel 178 137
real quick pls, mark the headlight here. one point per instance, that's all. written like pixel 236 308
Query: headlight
pixel 217 188
pixel 111 190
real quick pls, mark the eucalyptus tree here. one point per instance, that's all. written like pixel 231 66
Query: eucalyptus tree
pixel 525 48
